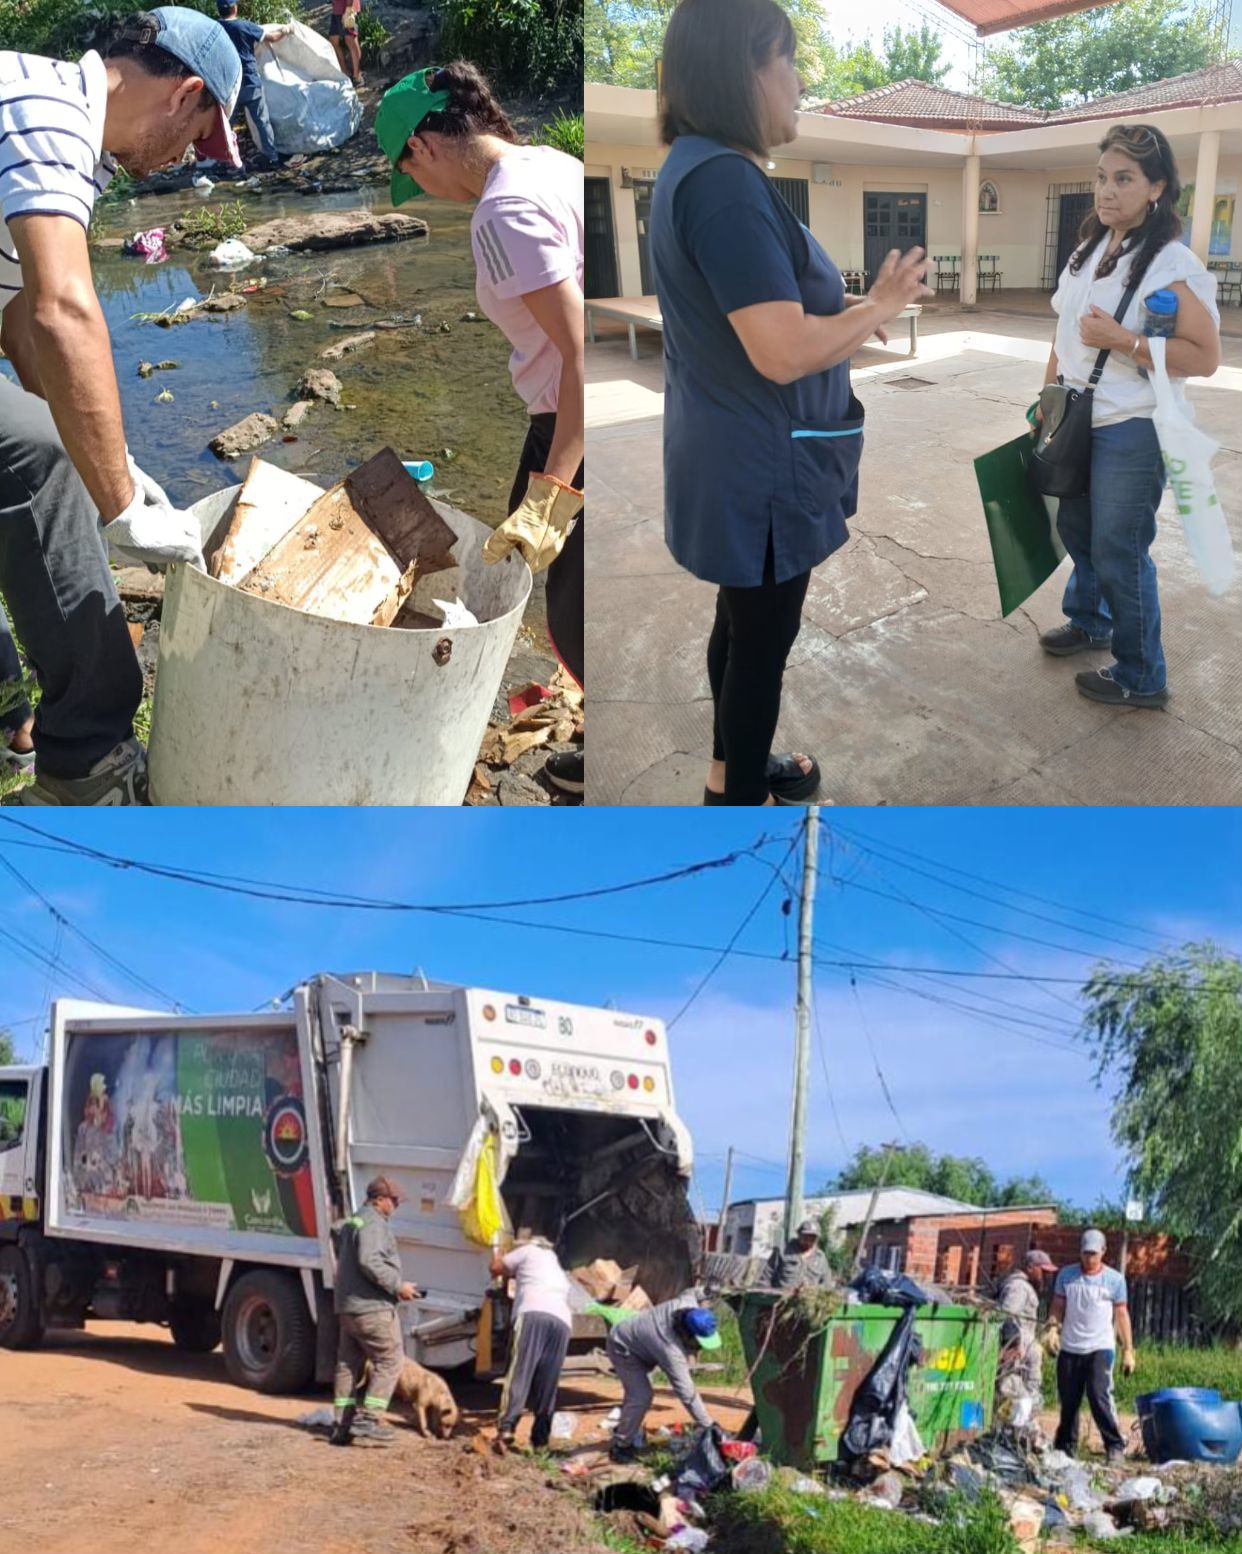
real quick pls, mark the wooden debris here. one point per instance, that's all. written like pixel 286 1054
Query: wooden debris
pixel 396 509
pixel 344 347
pixel 271 502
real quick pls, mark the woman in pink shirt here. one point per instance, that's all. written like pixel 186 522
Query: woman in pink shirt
pixel 445 129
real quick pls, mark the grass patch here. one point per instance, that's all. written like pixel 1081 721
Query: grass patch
pixel 1168 1365
pixel 565 132
pixel 211 224
pixel 1172 1543
pixel 778 1521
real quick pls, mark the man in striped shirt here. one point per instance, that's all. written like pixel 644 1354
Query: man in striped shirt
pixel 68 488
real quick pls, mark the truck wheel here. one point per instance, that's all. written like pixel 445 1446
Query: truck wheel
pixel 195 1327
pixel 269 1338
pixel 21 1317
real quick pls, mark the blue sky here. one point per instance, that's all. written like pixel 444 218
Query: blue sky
pixel 1019 1095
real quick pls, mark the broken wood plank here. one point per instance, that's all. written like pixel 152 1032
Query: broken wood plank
pixel 389 500
pixel 330 563
pixel 271 502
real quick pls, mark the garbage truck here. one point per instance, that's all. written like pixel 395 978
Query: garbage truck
pixel 192 1170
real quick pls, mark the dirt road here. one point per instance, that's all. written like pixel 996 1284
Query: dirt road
pixel 116 1442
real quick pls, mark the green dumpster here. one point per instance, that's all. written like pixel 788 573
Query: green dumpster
pixel 806 1376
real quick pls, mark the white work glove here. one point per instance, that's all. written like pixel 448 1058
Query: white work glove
pixel 151 531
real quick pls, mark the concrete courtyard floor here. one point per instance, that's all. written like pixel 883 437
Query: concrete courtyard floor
pixel 905 681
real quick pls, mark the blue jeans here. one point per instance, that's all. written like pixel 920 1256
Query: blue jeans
pixel 250 99
pixel 1108 534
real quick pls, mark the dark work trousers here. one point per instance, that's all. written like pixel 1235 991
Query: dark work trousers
pixel 60 596
pixel 540 1343
pixel 10 673
pixel 1089 1375
pixel 565 573
pixel 746 654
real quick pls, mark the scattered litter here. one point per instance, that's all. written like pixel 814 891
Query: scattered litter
pixel 1099 1524
pixel 691 1538
pixel 232 254
pixel 1140 1489
pixel 149 246
pixel 456 613
pixel 301 315
pixel 564 1426
pixel 612 1417
pixel 906 1445
pixel 164 397
pixel 737 1451
pixel 317 1419
pixel 421 469
pixel 186 305
pixel 887 1490
pixel 203 185
pixel 754 1473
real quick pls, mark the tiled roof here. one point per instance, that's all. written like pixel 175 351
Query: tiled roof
pixel 1216 84
pixel 906 102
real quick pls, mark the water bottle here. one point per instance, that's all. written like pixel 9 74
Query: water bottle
pixel 1158 316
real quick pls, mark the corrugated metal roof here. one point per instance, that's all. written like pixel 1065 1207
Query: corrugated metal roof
pixel 892 1203
pixel 917 103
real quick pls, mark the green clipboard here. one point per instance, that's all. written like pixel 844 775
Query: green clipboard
pixel 1026 548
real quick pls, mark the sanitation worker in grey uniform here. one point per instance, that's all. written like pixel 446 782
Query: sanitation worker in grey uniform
pixel 661 1337
pixel 369 1287
pixel 801 1261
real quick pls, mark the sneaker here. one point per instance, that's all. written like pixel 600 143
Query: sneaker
pixel 1115 1458
pixel 119 778
pixel 619 1453
pixel 1061 641
pixel 17 760
pixel 567 771
pixel 367 1427
pixel 1099 685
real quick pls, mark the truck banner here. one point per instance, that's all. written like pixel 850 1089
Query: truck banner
pixel 188 1129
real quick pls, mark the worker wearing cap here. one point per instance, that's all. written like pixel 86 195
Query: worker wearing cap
pixel 801 1262
pixel 446 135
pixel 658 1338
pixel 69 490
pixel 1089 1302
pixel 369 1286
pixel 1019 1300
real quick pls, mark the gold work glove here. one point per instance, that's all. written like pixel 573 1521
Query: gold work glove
pixel 541 524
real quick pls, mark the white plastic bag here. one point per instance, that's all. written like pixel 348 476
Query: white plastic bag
pixel 312 106
pixel 1188 459
pixel 906 1444
pixel 232 254
pixel 456 613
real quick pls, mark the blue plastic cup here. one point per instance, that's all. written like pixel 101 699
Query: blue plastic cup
pixel 421 469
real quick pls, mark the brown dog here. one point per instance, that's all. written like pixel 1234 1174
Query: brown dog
pixel 427 1396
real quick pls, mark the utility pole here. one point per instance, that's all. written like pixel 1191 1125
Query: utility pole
pixel 802 1023
pixel 724 1202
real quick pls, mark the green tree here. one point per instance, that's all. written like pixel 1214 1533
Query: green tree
pixel 623 40
pixel 965 1178
pixel 8 1049
pixel 913 56
pixel 1168 1038
pixel 1095 53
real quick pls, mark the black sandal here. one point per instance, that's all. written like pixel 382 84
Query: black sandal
pixel 787 782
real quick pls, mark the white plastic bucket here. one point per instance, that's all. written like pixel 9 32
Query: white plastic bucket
pixel 256 703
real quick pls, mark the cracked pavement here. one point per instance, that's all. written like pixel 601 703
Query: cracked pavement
pixel 905 682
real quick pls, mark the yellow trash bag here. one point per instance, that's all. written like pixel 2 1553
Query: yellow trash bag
pixel 483 1217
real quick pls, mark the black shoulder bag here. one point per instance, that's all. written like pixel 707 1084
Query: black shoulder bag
pixel 1060 464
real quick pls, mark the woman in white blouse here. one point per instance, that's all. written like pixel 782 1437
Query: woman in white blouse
pixel 1134 232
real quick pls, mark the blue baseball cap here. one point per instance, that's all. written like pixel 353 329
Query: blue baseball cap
pixel 204 48
pixel 701 1325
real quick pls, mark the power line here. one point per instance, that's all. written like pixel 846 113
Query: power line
pixel 738 931
pixel 64 922
pixel 875 1058
pixel 823 1061
pixel 42 959
pixel 271 890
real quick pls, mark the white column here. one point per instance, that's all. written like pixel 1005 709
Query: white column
pixel 970 231
pixel 1205 193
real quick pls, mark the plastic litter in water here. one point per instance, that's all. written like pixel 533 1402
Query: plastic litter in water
pixel 203 185
pixel 230 255
pixel 421 469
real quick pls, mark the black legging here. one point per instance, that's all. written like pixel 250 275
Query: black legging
pixel 754 632
pixel 565 591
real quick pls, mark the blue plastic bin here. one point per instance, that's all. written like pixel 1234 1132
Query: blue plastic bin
pixel 1143 1403
pixel 1197 1430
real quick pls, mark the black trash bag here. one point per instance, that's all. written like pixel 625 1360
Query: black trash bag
pixel 1000 1455
pixel 876 1403
pixel 704 1469
pixel 878 1288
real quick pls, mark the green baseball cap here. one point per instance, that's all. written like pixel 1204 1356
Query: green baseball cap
pixel 402 109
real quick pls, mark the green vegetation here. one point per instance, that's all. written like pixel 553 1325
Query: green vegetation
pixel 565 132
pixel 66 29
pixel 779 1521
pixel 1167 1365
pixel 1165 1039
pixel 967 1179
pixel 532 44
pixel 1109 49
pixel 8 1049
pixel 729 1356
pixel 208 225
pixel 372 36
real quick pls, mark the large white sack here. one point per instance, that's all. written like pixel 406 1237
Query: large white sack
pixel 312 106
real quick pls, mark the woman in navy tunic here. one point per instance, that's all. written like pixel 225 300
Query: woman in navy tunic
pixel 762 434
